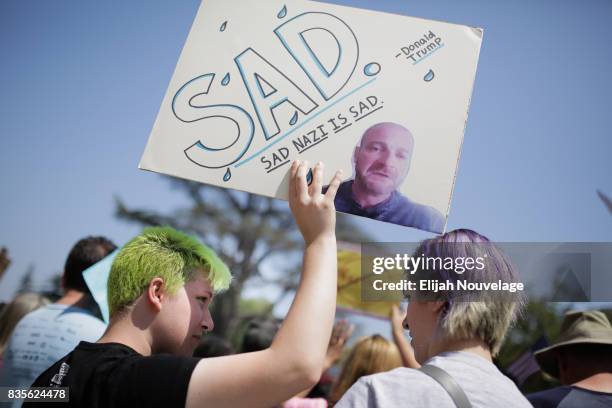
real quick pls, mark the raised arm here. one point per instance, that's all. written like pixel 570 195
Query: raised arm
pixel 341 332
pixel 397 329
pixel 295 360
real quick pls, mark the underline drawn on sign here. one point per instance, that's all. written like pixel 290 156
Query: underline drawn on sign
pixel 278 139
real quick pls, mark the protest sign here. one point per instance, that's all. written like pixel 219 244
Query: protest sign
pixel 383 97
pixel 351 283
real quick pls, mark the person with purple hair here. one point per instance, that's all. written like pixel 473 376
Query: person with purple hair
pixel 382 161
pixel 454 336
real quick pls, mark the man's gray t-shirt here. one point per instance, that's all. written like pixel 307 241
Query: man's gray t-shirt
pixel 482 382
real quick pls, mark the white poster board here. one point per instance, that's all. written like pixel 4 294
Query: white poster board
pixel 262 83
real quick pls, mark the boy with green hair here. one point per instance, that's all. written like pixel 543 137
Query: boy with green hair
pixel 160 287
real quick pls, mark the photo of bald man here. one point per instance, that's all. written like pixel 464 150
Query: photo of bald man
pixel 381 162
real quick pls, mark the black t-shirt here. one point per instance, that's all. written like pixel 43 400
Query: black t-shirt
pixel 113 374
pixel 569 397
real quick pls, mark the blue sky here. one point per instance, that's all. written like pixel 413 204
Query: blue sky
pixel 82 83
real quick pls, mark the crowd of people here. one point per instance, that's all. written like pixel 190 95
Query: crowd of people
pixel 159 348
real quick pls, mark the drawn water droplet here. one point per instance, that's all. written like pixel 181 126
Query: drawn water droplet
pixel 309 176
pixel 282 13
pixel 227 175
pixel 223 26
pixel 226 79
pixel 294 119
pixel 429 76
pixel 373 68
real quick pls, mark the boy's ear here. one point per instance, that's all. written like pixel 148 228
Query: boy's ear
pixel 156 293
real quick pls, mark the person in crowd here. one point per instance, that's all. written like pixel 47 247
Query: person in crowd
pixel 453 338
pixel 259 334
pixel 50 332
pixel 23 304
pixel 382 161
pixel 5 261
pixel 581 359
pixel 370 355
pixel 213 346
pixel 159 290
pixel 397 331
pixel 317 396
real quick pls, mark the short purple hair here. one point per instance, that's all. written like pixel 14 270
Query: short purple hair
pixel 486 316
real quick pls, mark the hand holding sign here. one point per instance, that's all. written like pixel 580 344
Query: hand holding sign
pixel 314 212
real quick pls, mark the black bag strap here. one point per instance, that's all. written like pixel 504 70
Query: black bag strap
pixel 449 384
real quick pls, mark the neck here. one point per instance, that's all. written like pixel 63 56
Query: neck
pixel 122 330
pixel 366 198
pixel 601 382
pixel 474 346
pixel 73 297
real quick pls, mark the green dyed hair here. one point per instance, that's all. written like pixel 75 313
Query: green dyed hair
pixel 166 253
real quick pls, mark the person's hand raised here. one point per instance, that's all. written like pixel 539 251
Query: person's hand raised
pixel 341 332
pixel 314 212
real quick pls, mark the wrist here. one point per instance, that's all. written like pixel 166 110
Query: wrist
pixel 327 364
pixel 323 239
pixel 397 333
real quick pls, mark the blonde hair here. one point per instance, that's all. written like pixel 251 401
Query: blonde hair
pixel 370 355
pixel 12 313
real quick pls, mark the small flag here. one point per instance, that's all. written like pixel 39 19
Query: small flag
pixel 526 365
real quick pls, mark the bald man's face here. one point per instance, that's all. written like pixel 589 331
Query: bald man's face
pixel 383 159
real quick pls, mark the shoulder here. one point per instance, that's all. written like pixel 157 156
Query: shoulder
pixel 480 379
pixel 38 317
pixel 75 314
pixel 104 372
pixel 400 387
pixel 570 396
pixel 93 359
pixel 160 371
pixel 38 314
pixel 548 398
pixel 410 380
pixel 419 215
pixel 79 324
